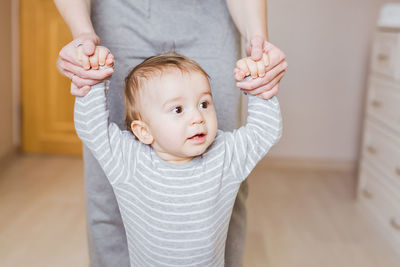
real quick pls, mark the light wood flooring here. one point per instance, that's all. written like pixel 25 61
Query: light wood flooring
pixel 296 218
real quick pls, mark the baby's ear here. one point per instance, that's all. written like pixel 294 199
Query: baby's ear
pixel 142 132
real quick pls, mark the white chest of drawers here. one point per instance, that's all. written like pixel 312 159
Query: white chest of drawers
pixel 378 190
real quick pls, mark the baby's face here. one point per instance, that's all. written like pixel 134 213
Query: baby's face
pixel 179 111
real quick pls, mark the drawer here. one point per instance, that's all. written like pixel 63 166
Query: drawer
pixel 385 54
pixel 382 150
pixel 383 205
pixel 384 101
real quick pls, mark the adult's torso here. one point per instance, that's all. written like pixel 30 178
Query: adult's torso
pixel 155 26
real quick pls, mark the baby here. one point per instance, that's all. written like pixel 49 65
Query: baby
pixel 175 175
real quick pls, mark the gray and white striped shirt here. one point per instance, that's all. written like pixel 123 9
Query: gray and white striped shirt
pixel 176 215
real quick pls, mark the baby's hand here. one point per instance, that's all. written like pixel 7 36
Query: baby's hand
pixel 101 57
pixel 248 67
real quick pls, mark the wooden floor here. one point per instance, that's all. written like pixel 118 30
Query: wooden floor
pixel 296 218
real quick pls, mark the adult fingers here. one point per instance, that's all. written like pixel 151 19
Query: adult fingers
pixel 269 76
pixel 79 82
pixel 74 49
pixel 88 47
pixel 68 74
pixel 61 69
pixel 79 91
pixel 86 74
pixel 94 60
pixel 69 52
pixel 256 48
pixel 276 56
pixel 268 86
pixel 85 50
pixel 82 58
pixel 270 93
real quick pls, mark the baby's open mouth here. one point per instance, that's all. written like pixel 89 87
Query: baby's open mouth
pixel 197 136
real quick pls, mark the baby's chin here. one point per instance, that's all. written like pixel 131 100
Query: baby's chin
pixel 201 150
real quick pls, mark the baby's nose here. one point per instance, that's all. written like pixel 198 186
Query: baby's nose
pixel 197 117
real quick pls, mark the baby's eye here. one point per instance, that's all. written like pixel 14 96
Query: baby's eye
pixel 204 104
pixel 178 110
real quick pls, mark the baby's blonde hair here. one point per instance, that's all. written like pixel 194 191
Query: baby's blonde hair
pixel 150 68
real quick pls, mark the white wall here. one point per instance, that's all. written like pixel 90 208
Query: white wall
pixel 327 43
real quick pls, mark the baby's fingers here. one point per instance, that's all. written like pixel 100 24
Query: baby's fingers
pixel 94 60
pixel 103 53
pixel 252 66
pixel 266 59
pixel 242 65
pixel 262 65
pixel 110 60
pixel 239 74
pixel 260 68
pixel 82 58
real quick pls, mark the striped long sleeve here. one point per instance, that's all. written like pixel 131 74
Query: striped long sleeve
pixel 176 215
pixel 246 146
pixel 106 141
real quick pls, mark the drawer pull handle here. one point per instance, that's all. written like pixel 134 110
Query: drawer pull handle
pixel 394 224
pixel 398 171
pixel 382 57
pixel 367 194
pixel 376 104
pixel 371 150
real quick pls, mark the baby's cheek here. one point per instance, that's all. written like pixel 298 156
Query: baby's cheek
pixel 175 135
pixel 213 125
pixel 170 132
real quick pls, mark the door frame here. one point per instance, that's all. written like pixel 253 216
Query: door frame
pixel 15 72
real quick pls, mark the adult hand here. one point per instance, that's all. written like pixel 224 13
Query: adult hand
pixel 267 86
pixel 74 62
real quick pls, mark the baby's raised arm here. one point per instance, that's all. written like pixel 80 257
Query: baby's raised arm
pixel 246 146
pixel 112 147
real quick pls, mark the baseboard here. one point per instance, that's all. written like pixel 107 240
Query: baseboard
pixel 308 164
pixel 8 157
